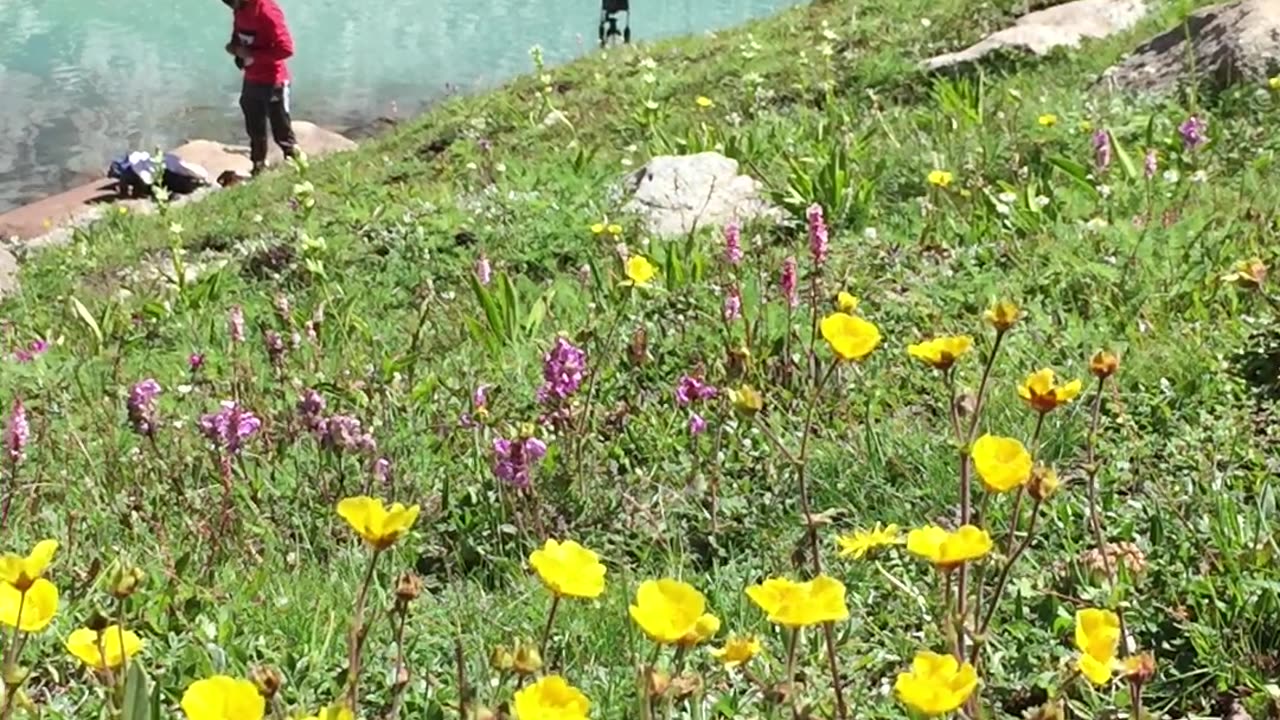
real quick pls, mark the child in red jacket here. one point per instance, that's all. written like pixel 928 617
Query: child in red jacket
pixel 261 43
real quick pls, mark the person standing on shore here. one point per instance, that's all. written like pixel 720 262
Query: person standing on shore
pixel 261 44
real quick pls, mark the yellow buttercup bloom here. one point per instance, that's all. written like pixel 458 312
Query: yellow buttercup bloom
pixel 850 337
pixel 379 525
pixel 947 550
pixel 937 684
pixel 22 572
pixel 1097 637
pixel 1002 462
pixel 1003 315
pixel 746 400
pixel 1048 120
pixel 568 569
pixel 671 612
pixel 704 102
pixel 104 650
pixel 598 229
pixel 801 604
pixel 333 712
pixel 846 303
pixel 615 229
pixel 551 698
pixel 223 698
pixel 737 650
pixel 1248 274
pixel 940 178
pixel 860 542
pixel 640 271
pixel 1274 83
pixel 1042 393
pixel 37 605
pixel 703 630
pixel 941 352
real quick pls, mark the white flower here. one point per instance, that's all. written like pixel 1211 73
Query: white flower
pixel 257 219
pixel 1095 224
pixel 500 167
pixel 1199 177
pixel 649 78
pixel 1002 209
pixel 649 64
pixel 1008 198
pixel 175 228
pixel 926 22
pixel 1171 176
pixel 829 34
pixel 651 104
pixel 626 162
pixel 1041 202
pixel 632 148
pixel 1104 191
pixel 826 50
pixel 472 166
pixel 870 233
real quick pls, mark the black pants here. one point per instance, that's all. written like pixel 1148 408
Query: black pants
pixel 262 103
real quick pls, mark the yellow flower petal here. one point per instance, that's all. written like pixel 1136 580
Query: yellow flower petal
pixel 668 610
pixel 223 698
pixel 31 611
pixel 1003 463
pixel 377 524
pixel 850 337
pixel 640 271
pixel 568 569
pixel 937 684
pixel 551 698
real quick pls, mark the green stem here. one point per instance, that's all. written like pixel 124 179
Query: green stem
pixel 358 633
pixel 546 630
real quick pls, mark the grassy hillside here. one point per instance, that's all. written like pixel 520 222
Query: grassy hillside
pixel 356 279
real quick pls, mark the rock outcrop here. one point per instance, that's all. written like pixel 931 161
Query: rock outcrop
pixel 675 194
pixel 1043 31
pixel 1223 45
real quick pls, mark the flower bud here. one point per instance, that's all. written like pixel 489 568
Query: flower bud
pixel 1248 274
pixel 408 587
pixel 483 713
pixel 1003 315
pixel 501 659
pixel 687 685
pixel 1139 669
pixel 1043 484
pixel 125 581
pixel 656 682
pixel 1104 364
pixel 267 680
pixel 527 658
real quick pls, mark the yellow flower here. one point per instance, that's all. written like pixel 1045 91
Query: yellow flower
pixel 551 698
pixel 1003 315
pixel 941 352
pixel 639 271
pixel 104 650
pixel 746 400
pixel 568 569
pixel 1104 364
pixel 940 178
pixel 671 612
pixel 937 684
pixel 704 102
pixel 615 229
pixel 737 650
pixel 846 303
pixel 1274 83
pixel 1247 274
pixel 22 572
pixel 123 210
pixel 38 605
pixel 380 526
pixel 333 712
pixel 1002 462
pixel 223 698
pixel 598 229
pixel 1048 120
pixel 1097 637
pixel 1043 394
pixel 947 550
pixel 801 604
pixel 861 542
pixel 850 337
pixel 704 629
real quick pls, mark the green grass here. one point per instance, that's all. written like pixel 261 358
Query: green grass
pixel 1187 438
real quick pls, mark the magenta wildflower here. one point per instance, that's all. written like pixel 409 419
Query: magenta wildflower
pixel 17 432
pixel 732 305
pixel 1102 149
pixel 382 470
pixel 343 433
pixel 230 427
pixel 733 243
pixel 691 389
pixel 195 361
pixel 563 369
pixel 484 271
pixel 789 282
pixel 235 324
pixel 1150 165
pixel 1193 131
pixel 818 245
pixel 480 397
pixel 697 424
pixel 514 459
pixel 32 351
pixel 141 406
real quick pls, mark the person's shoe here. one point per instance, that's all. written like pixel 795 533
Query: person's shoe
pixel 258 169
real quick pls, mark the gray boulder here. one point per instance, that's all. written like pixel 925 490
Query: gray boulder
pixel 1237 42
pixel 676 194
pixel 8 274
pixel 1043 31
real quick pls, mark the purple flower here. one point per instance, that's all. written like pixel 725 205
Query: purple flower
pixel 17 432
pixel 382 470
pixel 480 397
pixel 691 388
pixel 32 351
pixel 1102 149
pixel 235 324
pixel 484 271
pixel 141 406
pixel 1150 165
pixel 1192 131
pixel 230 427
pixel 311 404
pixel 563 369
pixel 733 243
pixel 817 234
pixel 343 433
pixel 195 361
pixel 697 424
pixel 732 305
pixel 283 310
pixel 514 459
pixel 789 282
pixel 275 347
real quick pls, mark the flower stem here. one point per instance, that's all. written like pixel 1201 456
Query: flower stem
pixel 1003 581
pixel 1095 519
pixel 546 630
pixel 358 633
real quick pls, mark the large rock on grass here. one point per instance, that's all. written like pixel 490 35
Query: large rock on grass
pixel 218 158
pixel 675 194
pixel 1043 31
pixel 1223 45
pixel 8 274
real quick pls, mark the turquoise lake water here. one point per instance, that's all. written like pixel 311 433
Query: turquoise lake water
pixel 84 80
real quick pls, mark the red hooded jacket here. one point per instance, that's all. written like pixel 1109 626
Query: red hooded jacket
pixel 260 26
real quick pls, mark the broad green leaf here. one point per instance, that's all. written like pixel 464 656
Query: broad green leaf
pixel 87 318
